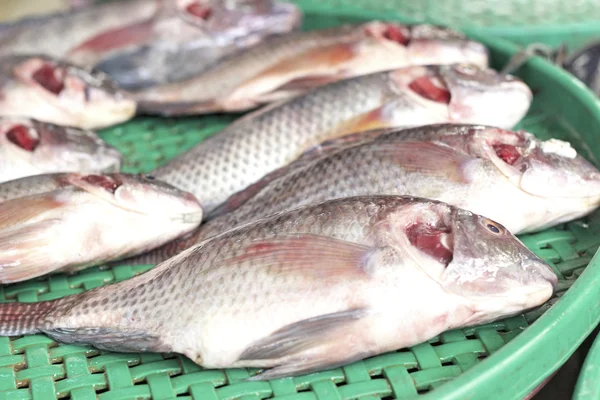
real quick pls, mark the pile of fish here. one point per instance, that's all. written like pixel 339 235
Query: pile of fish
pixel 367 202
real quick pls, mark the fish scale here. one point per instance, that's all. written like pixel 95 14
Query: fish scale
pixel 240 67
pixel 441 162
pixel 305 290
pixel 262 142
pixel 258 145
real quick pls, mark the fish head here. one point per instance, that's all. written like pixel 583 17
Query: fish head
pixel 240 19
pixel 52 148
pixel 547 169
pixel 73 95
pixel 492 270
pixel 142 194
pixel 429 44
pixel 483 95
pixel 432 44
pixel 466 93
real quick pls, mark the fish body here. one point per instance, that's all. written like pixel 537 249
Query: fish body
pixel 66 222
pixel 54 91
pixel 270 138
pixel 142 43
pixel 314 288
pixel 173 56
pixel 29 147
pixel 524 183
pixel 287 65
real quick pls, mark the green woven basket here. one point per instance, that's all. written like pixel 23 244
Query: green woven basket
pixel 552 22
pixel 503 360
pixel 588 383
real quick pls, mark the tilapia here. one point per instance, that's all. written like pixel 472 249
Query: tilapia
pixel 307 290
pixel 270 138
pixel 66 222
pixel 287 65
pixel 225 28
pixel 144 42
pixel 29 147
pixel 522 182
pixel 60 93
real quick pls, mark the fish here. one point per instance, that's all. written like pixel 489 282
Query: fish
pixel 270 138
pixel 287 65
pixel 522 182
pixel 66 222
pixel 145 42
pixel 307 290
pixel 226 28
pixel 29 147
pixel 60 93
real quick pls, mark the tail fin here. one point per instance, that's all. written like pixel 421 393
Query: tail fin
pixel 22 318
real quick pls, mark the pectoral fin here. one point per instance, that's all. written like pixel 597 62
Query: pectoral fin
pixel 25 251
pixel 315 66
pixel 310 345
pixel 19 211
pixel 428 158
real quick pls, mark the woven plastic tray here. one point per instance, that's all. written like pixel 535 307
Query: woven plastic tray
pixel 552 22
pixel 504 360
pixel 588 382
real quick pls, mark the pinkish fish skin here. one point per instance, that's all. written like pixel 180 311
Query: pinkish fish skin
pixel 29 147
pixel 148 42
pixel 303 291
pixel 256 144
pixel 462 165
pixel 60 93
pixel 66 222
pixel 287 65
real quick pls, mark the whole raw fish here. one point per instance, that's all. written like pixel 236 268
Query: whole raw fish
pixel 29 147
pixel 66 222
pixel 144 42
pixel 268 139
pixel 225 27
pixel 57 92
pixel 285 66
pixel 307 290
pixel 522 182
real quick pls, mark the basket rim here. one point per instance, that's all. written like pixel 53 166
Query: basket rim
pixel 547 343
pixel 587 382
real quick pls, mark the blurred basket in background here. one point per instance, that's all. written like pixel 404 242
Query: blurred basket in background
pixel 507 359
pixel 551 22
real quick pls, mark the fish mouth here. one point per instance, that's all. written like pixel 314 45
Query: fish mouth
pixel 488 308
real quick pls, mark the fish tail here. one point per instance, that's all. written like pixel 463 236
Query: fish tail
pixel 23 318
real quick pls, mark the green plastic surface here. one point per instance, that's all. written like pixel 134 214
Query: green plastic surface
pixel 588 383
pixel 506 359
pixel 574 22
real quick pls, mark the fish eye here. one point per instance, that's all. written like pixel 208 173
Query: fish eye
pixel 493 227
pixel 149 177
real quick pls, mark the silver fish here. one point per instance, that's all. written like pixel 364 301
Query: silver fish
pixel 60 93
pixel 29 147
pixel 145 42
pixel 522 182
pixel 307 290
pixel 268 139
pixel 222 29
pixel 285 66
pixel 66 222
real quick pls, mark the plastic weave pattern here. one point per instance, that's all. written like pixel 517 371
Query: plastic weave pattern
pixel 494 13
pixel 35 367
